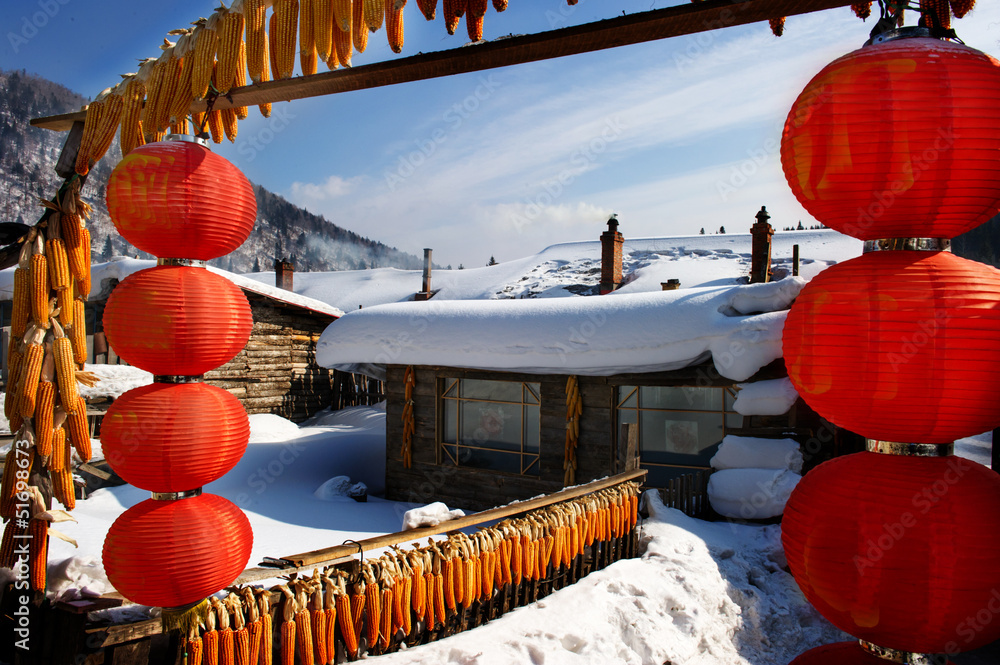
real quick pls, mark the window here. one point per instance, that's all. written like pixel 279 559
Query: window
pixel 679 427
pixel 490 425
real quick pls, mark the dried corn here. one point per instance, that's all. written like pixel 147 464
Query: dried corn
pixel 201 60
pixel 63 488
pixel 44 409
pixel 21 309
pixel 78 256
pixel 500 5
pixel 79 431
pixel 359 28
pixel 346 623
pixel 428 8
pixel 38 531
pixel 284 32
pixel 374 13
pixel 343 15
pixel 962 7
pixel 194 650
pixel 39 291
pixel 322 13
pixel 373 601
pixel 88 141
pixel 62 352
pixel 256 39
pixel 266 630
pixel 394 26
pixel 343 49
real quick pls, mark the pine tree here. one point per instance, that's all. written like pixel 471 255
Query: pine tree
pixel 108 250
pixel 722 229
pixel 256 264
pixel 702 232
pixel 492 262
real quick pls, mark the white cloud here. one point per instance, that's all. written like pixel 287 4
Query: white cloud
pixel 333 187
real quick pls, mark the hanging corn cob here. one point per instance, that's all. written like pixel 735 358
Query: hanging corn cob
pixel 78 430
pixel 453 11
pixel 256 39
pixel 287 627
pixel 394 26
pixel 359 28
pixel 62 352
pixel 307 38
pixel 89 137
pixel 231 65
pixel 428 8
pixel 210 640
pixel 265 75
pixel 38 531
pixel 303 624
pixel 474 27
pixel 343 14
pixel 345 620
pixel 374 14
pixel 962 7
pixel 169 83
pixel 323 13
pixel 330 614
pixel 317 616
pixel 130 135
pixel 227 648
pixel 500 5
pixel 202 59
pixel 283 33
pixel 194 650
pixel 251 617
pixel 862 9
pixel 266 627
pixel 343 48
pixel 777 25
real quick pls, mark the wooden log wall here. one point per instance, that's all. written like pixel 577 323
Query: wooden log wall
pixel 276 372
pixel 478 489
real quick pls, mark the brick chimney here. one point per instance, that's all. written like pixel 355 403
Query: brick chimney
pixel 284 272
pixel 760 252
pixel 611 257
pixel 425 292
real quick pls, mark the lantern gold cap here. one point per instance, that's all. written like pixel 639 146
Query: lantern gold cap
pixel 908 244
pixel 175 496
pixel 910 449
pixel 187 138
pixel 905 657
pixel 190 263
pixel 907 32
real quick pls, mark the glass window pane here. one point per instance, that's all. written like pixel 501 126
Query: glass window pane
pixel 687 398
pixel 499 391
pixel 531 429
pixel 627 397
pixel 675 438
pixel 449 422
pixel 492 460
pixel 491 425
pixel 628 416
pixel 450 455
pixel 734 421
pixel 450 388
pixel 532 392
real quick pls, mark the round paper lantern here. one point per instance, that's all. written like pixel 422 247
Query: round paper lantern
pixel 178 199
pixel 172 553
pixel 177 320
pixel 902 552
pixel 169 437
pixel 841 653
pixel 899 346
pixel 898 139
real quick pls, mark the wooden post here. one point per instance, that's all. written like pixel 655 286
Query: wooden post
pixel 795 260
pixel 66 166
pixel 995 453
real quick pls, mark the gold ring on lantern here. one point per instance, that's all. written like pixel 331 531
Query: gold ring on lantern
pixel 910 449
pixel 905 657
pixel 190 263
pixel 176 496
pixel 187 138
pixel 905 32
pixel 908 244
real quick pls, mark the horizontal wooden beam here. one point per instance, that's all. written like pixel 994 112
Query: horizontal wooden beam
pixel 684 19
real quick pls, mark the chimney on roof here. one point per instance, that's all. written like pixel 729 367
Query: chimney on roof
pixel 284 272
pixel 425 292
pixel 611 257
pixel 760 252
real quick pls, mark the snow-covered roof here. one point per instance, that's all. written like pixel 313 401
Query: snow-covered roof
pixel 738 327
pixel 104 275
pixel 573 268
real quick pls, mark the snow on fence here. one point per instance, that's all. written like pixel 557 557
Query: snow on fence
pixel 352 606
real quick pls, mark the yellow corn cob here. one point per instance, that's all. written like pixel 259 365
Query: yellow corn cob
pixel 265 109
pixel 428 7
pixel 62 351
pixel 489 573
pixel 346 623
pixel 69 227
pixel 230 40
pixel 130 135
pixel 266 638
pixel 962 7
pixel 62 487
pixel 39 292
pixel 88 141
pixel 206 45
pixel 60 451
pixel 285 27
pixel 210 642
pixel 418 598
pixel 215 125
pixel 78 330
pixel 374 13
pixel 272 46
pixel 79 430
pixel 38 559
pixel 474 26
pixel 22 302
pixel 448 574
pixel 180 101
pixel 256 39
pixel 318 618
pixel 31 370
pixel 405 600
pixel 394 26
pixel 229 123
pixel 453 11
pixel 343 15
pixel 108 127
pixel 500 5
pixel 476 8
pixel 439 600
pixel 307 38
pixel 343 49
pixel 332 62
pixel 288 643
pixel 303 637
pixel 193 650
pixel 14 361
pixel 385 627
pixel 322 13
pixel 470 594
pixel 45 404
pixel 359 29
pixel 58 264
pixel 357 609
pixel 154 89
pixel 78 255
pixel 11 532
pixel 373 601
pixel 430 602
pixel 168 83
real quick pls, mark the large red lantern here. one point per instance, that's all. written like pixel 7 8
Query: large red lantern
pixel 841 653
pixel 176 198
pixel 168 437
pixel 899 551
pixel 171 553
pixel 899 346
pixel 177 320
pixel 898 139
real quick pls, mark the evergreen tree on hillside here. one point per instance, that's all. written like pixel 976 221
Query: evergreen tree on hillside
pixel 492 262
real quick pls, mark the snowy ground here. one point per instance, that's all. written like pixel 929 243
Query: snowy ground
pixel 702 593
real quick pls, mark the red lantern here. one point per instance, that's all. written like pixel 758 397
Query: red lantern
pixel 168 437
pixel 177 320
pixel 172 553
pixel 899 346
pixel 841 653
pixel 898 551
pixel 177 199
pixel 898 139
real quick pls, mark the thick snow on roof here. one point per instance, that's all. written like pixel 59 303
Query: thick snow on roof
pixel 104 275
pixel 573 268
pixel 739 327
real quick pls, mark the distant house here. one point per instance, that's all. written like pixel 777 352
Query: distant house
pixel 276 372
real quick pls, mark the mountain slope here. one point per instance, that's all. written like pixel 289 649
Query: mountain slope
pixel 283 231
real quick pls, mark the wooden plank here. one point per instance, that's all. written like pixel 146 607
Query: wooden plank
pixel 637 28
pixel 310 558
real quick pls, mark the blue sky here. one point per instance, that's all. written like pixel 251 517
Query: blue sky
pixel 673 135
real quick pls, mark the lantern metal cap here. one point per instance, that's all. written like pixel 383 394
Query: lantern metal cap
pixel 908 245
pixel 187 138
pixel 907 32
pixel 191 263
pixel 178 378
pixel 175 496
pixel 910 449
pixel 905 657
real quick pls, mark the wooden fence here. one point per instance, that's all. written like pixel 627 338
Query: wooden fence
pixel 689 494
pixel 603 532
